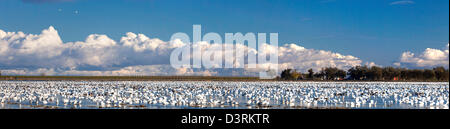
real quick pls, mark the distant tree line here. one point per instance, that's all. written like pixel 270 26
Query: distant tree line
pixel 373 73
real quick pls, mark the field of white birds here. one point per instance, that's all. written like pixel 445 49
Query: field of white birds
pixel 222 95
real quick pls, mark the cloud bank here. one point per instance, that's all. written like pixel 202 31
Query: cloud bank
pixel 429 58
pixel 136 54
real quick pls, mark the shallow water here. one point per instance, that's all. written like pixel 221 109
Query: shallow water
pixel 227 95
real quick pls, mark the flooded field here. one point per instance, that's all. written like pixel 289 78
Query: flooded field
pixel 223 95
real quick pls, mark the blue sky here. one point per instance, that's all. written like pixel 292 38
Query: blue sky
pixel 372 30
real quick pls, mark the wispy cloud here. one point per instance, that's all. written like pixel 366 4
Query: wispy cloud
pixel 402 2
pixel 45 1
pixel 306 19
pixel 327 1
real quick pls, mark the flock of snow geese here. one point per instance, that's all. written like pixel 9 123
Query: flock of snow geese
pixel 228 95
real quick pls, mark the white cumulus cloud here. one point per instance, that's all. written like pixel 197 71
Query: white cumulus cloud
pixel 300 58
pixel 137 54
pixel 429 58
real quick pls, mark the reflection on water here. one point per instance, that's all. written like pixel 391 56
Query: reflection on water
pixel 227 95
